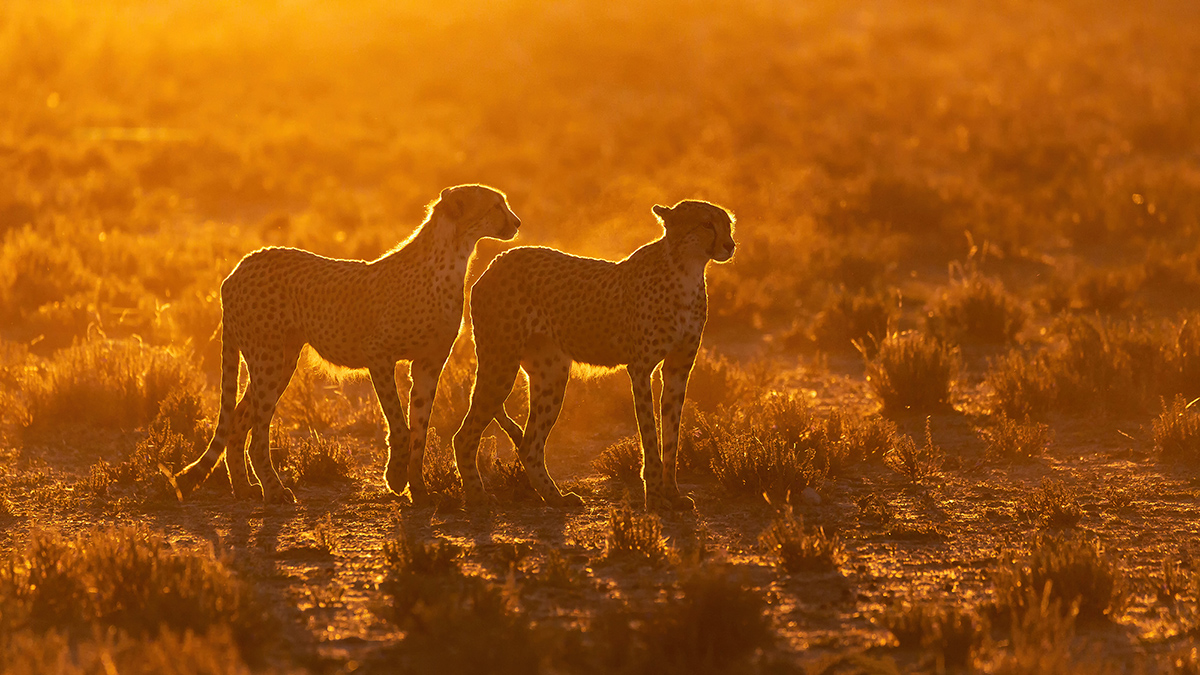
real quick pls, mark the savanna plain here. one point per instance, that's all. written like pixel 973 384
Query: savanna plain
pixel 942 419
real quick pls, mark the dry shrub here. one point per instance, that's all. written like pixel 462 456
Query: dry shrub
pixel 106 383
pixel 975 308
pixel 950 635
pixel 1177 431
pixel 781 444
pixel 319 460
pixel 212 652
pixel 1041 637
pixel 452 620
pixel 621 461
pixel 797 551
pixel 913 371
pixel 1100 366
pixel 1008 440
pixel 713 623
pixel 635 537
pixel 1053 505
pixel 748 466
pixel 131 581
pixel 915 463
pixel 1070 569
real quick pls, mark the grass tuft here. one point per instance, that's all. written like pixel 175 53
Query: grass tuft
pixel 915 463
pixel 798 551
pixel 635 537
pixel 128 580
pixel 1008 440
pixel 1054 505
pixel 1177 430
pixel 950 635
pixel 1072 570
pixel 913 371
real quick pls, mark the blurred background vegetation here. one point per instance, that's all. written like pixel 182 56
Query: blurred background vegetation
pixel 1052 147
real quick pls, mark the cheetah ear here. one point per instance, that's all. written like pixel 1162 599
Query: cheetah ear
pixel 661 211
pixel 450 204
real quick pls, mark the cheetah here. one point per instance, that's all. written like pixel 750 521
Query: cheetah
pixel 540 310
pixel 406 305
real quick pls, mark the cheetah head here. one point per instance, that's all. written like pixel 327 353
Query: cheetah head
pixel 698 229
pixel 475 212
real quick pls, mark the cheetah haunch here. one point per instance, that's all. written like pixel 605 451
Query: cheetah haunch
pixel 540 309
pixel 407 305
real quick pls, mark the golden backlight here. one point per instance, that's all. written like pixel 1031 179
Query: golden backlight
pixel 957 344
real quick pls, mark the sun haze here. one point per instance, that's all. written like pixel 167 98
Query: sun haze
pixel 940 407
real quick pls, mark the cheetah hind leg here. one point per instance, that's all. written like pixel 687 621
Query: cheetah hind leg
pixel 235 455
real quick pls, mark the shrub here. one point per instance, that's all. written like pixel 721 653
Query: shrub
pixel 1054 505
pixel 745 465
pixel 1021 384
pixel 128 580
pixel 1009 440
pixel 213 652
pixel 710 625
pixel 319 460
pixel 621 461
pixel 1041 636
pixel 1100 366
pixel 441 473
pixel 912 462
pixel 950 634
pixel 1070 569
pixel 451 620
pixel 912 371
pixel 797 551
pixel 636 537
pixel 106 383
pixel 1177 431
pixel 975 308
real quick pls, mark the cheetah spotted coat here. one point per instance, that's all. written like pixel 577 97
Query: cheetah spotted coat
pixel 407 305
pixel 539 309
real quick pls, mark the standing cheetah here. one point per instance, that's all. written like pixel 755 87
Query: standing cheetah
pixel 540 309
pixel 407 305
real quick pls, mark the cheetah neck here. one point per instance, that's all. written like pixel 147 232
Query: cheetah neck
pixel 434 247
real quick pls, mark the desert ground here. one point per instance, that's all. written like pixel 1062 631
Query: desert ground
pixel 941 421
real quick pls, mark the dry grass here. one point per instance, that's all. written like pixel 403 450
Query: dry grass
pixel 131 581
pixel 798 551
pixel 1009 440
pixel 1073 571
pixel 635 537
pixel 912 371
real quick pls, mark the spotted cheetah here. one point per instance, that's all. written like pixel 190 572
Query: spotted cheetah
pixel 407 305
pixel 540 309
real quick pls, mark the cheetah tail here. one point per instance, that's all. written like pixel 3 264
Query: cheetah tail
pixel 515 434
pixel 198 471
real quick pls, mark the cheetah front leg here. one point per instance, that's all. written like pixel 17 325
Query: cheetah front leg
pixel 548 377
pixel 425 373
pixel 643 406
pixel 383 378
pixel 675 371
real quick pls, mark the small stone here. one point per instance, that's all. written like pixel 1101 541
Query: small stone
pixel 810 496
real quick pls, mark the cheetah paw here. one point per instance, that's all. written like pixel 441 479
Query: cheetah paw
pixel 281 496
pixel 675 502
pixel 397 479
pixel 251 491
